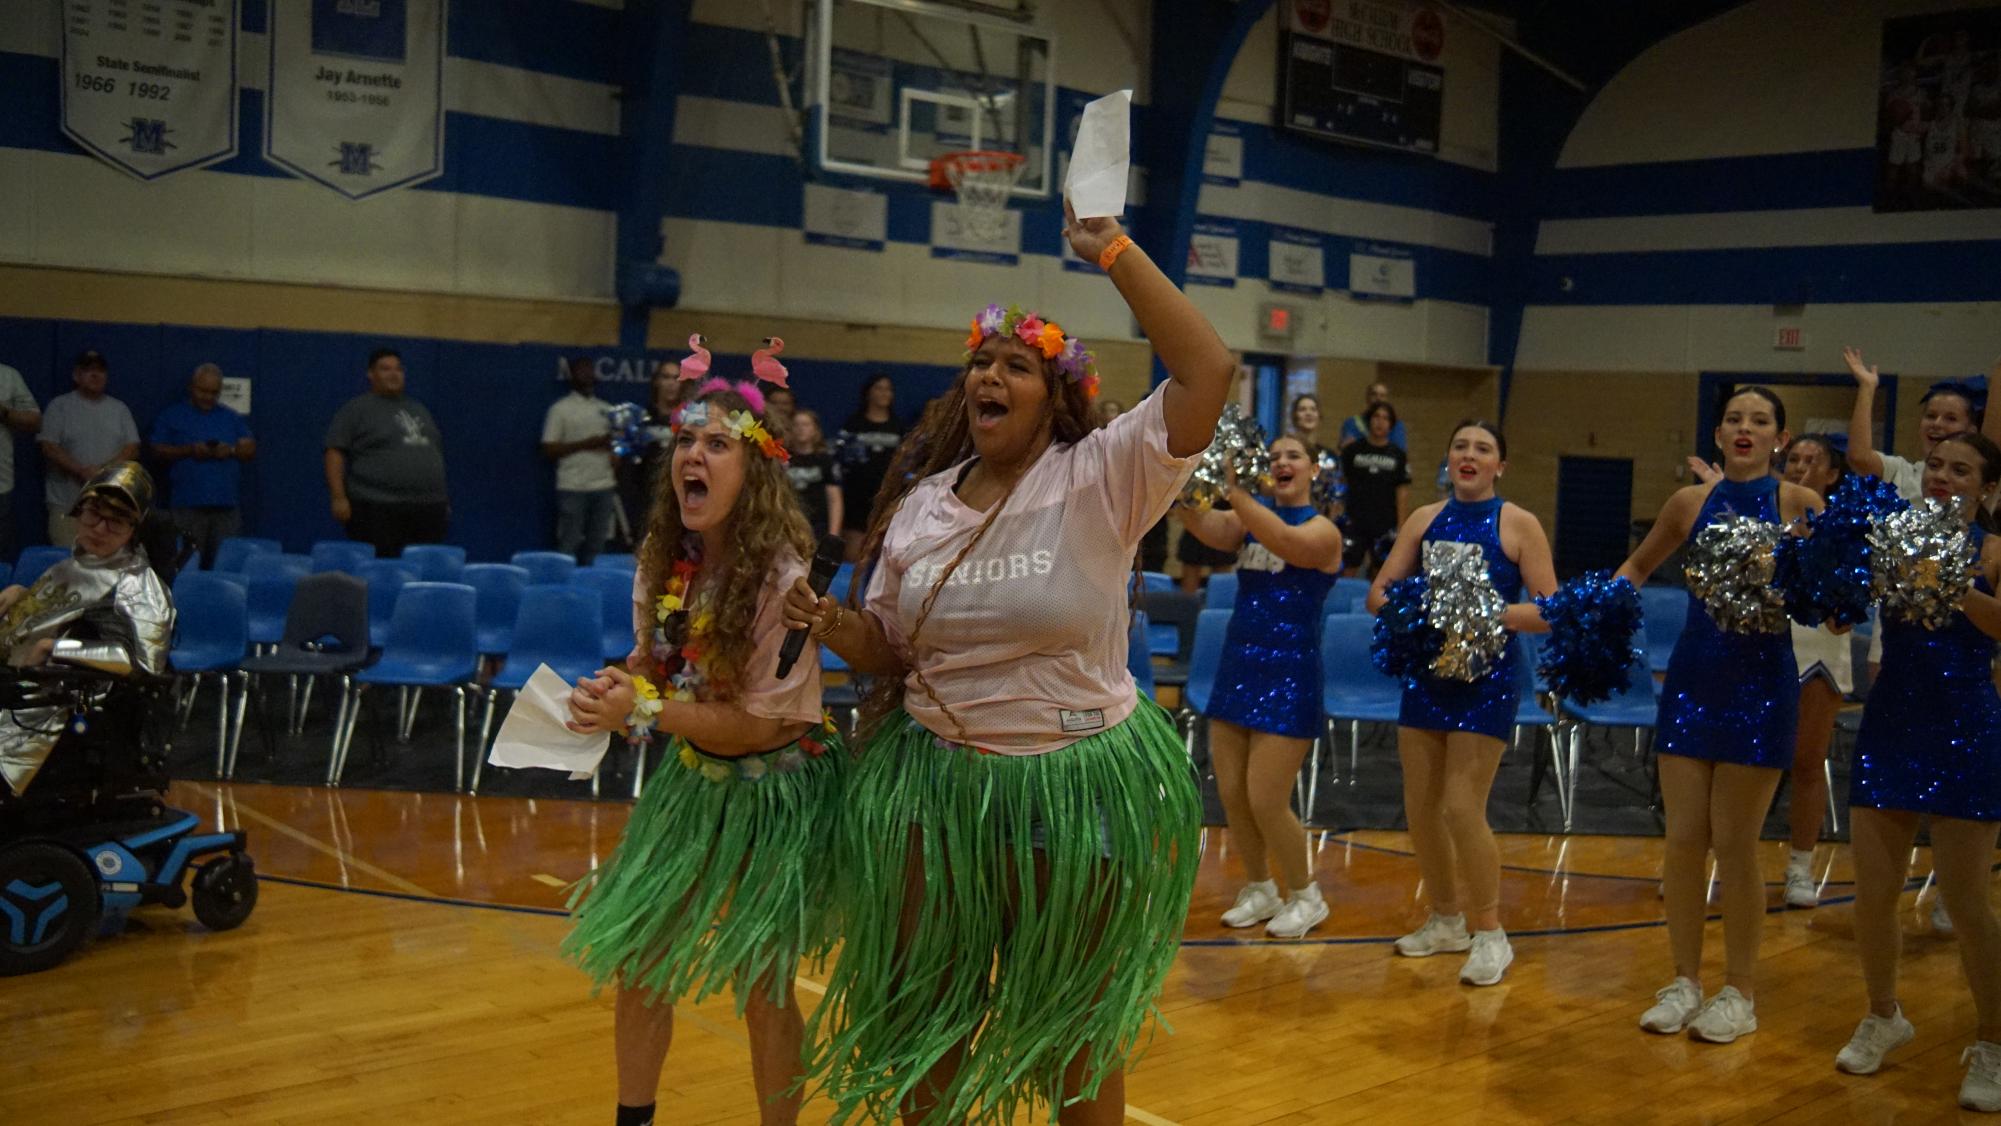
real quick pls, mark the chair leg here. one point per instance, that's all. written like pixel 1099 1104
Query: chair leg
pixel 1556 771
pixel 1570 776
pixel 1833 810
pixel 483 745
pixel 1354 750
pixel 221 725
pixel 236 730
pixel 188 701
pixel 459 744
pixel 345 738
pixel 305 706
pixel 1312 780
pixel 638 769
pixel 339 730
pixel 292 703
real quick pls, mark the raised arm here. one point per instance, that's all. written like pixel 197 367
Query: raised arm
pixel 1863 457
pixel 1199 365
pixel 1223 531
pixel 1313 546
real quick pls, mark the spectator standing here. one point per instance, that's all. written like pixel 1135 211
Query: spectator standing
pixel 22 415
pixel 867 444
pixel 576 435
pixel 385 464
pixel 1378 474
pixel 1356 427
pixel 82 432
pixel 204 443
pixel 815 475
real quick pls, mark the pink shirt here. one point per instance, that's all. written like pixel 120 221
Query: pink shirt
pixel 797 697
pixel 1026 642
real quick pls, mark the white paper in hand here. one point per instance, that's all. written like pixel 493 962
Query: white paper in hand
pixel 1102 160
pixel 533 734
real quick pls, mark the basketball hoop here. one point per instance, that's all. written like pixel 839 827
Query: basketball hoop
pixel 982 180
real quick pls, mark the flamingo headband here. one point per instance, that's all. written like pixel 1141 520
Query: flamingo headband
pixel 743 425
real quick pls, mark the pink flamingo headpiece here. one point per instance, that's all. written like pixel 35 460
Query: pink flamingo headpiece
pixel 746 425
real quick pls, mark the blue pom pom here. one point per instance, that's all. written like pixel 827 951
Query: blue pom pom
pixel 1825 574
pixel 1405 643
pixel 1592 622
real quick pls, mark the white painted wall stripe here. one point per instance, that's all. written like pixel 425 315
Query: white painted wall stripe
pixel 1352 218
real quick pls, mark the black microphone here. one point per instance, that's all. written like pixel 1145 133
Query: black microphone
pixel 826 561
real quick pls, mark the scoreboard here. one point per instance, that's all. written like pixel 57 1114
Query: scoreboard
pixel 1362 71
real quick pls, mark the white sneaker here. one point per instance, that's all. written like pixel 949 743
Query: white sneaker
pixel 1301 913
pixel 1490 959
pixel 1801 891
pixel 1982 1088
pixel 1440 934
pixel 1673 1006
pixel 1941 922
pixel 1874 1038
pixel 1724 1018
pixel 1255 903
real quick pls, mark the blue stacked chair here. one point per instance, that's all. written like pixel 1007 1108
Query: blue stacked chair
pixel 1352 689
pixel 1156 582
pixel 1139 660
pixel 346 556
pixel 211 639
pixel 35 560
pixel 270 579
pixel 325 634
pixel 435 562
pixel 1221 592
pixel 1663 612
pixel 615 561
pixel 6 573
pixel 546 566
pixel 1635 706
pixel 612 591
pixel 558 626
pixel 499 587
pixel 432 644
pixel 1530 713
pixel 1205 659
pixel 1349 591
pixel 234 551
pixel 386 578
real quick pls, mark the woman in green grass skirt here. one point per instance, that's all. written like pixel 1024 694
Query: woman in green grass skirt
pixel 1021 832
pixel 722 877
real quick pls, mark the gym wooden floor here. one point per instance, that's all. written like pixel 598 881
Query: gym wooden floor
pixel 401 966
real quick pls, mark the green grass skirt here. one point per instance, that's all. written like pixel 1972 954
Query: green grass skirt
pixel 1101 839
pixel 723 875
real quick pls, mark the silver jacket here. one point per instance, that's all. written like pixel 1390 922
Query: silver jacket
pixel 127 618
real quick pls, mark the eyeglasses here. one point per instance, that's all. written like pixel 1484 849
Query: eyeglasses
pixel 91 515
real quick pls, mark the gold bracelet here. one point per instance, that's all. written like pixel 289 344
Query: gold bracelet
pixel 832 623
pixel 1111 252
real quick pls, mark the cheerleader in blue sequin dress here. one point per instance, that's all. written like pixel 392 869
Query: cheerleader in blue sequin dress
pixel 1725 731
pixel 1265 709
pixel 1450 734
pixel 1930 745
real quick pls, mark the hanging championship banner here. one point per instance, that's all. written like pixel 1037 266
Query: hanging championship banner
pixel 356 100
pixel 150 87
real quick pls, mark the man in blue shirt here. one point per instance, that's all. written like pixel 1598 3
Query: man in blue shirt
pixel 1357 428
pixel 204 445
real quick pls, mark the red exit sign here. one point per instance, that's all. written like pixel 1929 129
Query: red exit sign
pixel 1789 338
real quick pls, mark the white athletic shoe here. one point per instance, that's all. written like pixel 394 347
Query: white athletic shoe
pixel 1255 903
pixel 1982 1088
pixel 1724 1018
pixel 1941 922
pixel 1874 1038
pixel 1673 1005
pixel 1440 934
pixel 1490 959
pixel 1301 913
pixel 1801 891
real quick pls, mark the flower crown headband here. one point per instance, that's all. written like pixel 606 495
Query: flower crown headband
pixel 742 425
pixel 1047 336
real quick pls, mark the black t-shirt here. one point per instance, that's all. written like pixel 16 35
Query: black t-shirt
pixel 1374 473
pixel 865 449
pixel 811 474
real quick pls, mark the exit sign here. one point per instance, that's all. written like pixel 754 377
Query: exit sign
pixel 1789 338
pixel 1277 323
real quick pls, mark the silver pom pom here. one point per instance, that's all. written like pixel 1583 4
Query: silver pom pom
pixel 1922 560
pixel 1730 567
pixel 1329 486
pixel 1240 444
pixel 1460 602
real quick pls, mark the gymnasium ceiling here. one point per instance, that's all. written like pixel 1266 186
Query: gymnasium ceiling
pixel 1593 39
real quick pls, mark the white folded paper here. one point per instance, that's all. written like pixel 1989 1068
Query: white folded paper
pixel 1102 160
pixel 533 734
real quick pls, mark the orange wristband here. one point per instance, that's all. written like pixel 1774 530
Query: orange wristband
pixel 1111 254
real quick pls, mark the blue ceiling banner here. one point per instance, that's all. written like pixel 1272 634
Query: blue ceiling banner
pixel 356 100
pixel 151 93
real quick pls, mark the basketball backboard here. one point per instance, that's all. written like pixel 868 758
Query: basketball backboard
pixel 895 84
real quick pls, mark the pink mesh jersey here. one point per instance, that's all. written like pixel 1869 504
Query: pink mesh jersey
pixel 1026 644
pixel 797 697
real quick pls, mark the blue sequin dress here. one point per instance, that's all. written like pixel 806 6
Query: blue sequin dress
pixel 1731 697
pixel 1931 731
pixel 1269 675
pixel 1486 706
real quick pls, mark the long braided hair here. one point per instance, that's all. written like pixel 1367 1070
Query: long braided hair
pixel 765 524
pixel 941 439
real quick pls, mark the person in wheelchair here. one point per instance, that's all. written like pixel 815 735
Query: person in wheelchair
pixel 106 608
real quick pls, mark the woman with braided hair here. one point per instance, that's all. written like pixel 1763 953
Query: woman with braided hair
pixel 1021 832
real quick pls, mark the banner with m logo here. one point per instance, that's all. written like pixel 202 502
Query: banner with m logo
pixel 151 96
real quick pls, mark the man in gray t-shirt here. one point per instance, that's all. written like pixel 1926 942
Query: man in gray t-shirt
pixel 20 414
pixel 82 431
pixel 385 464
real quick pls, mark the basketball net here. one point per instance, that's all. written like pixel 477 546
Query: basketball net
pixel 982 181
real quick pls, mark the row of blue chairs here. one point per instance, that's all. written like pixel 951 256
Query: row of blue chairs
pixel 433 562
